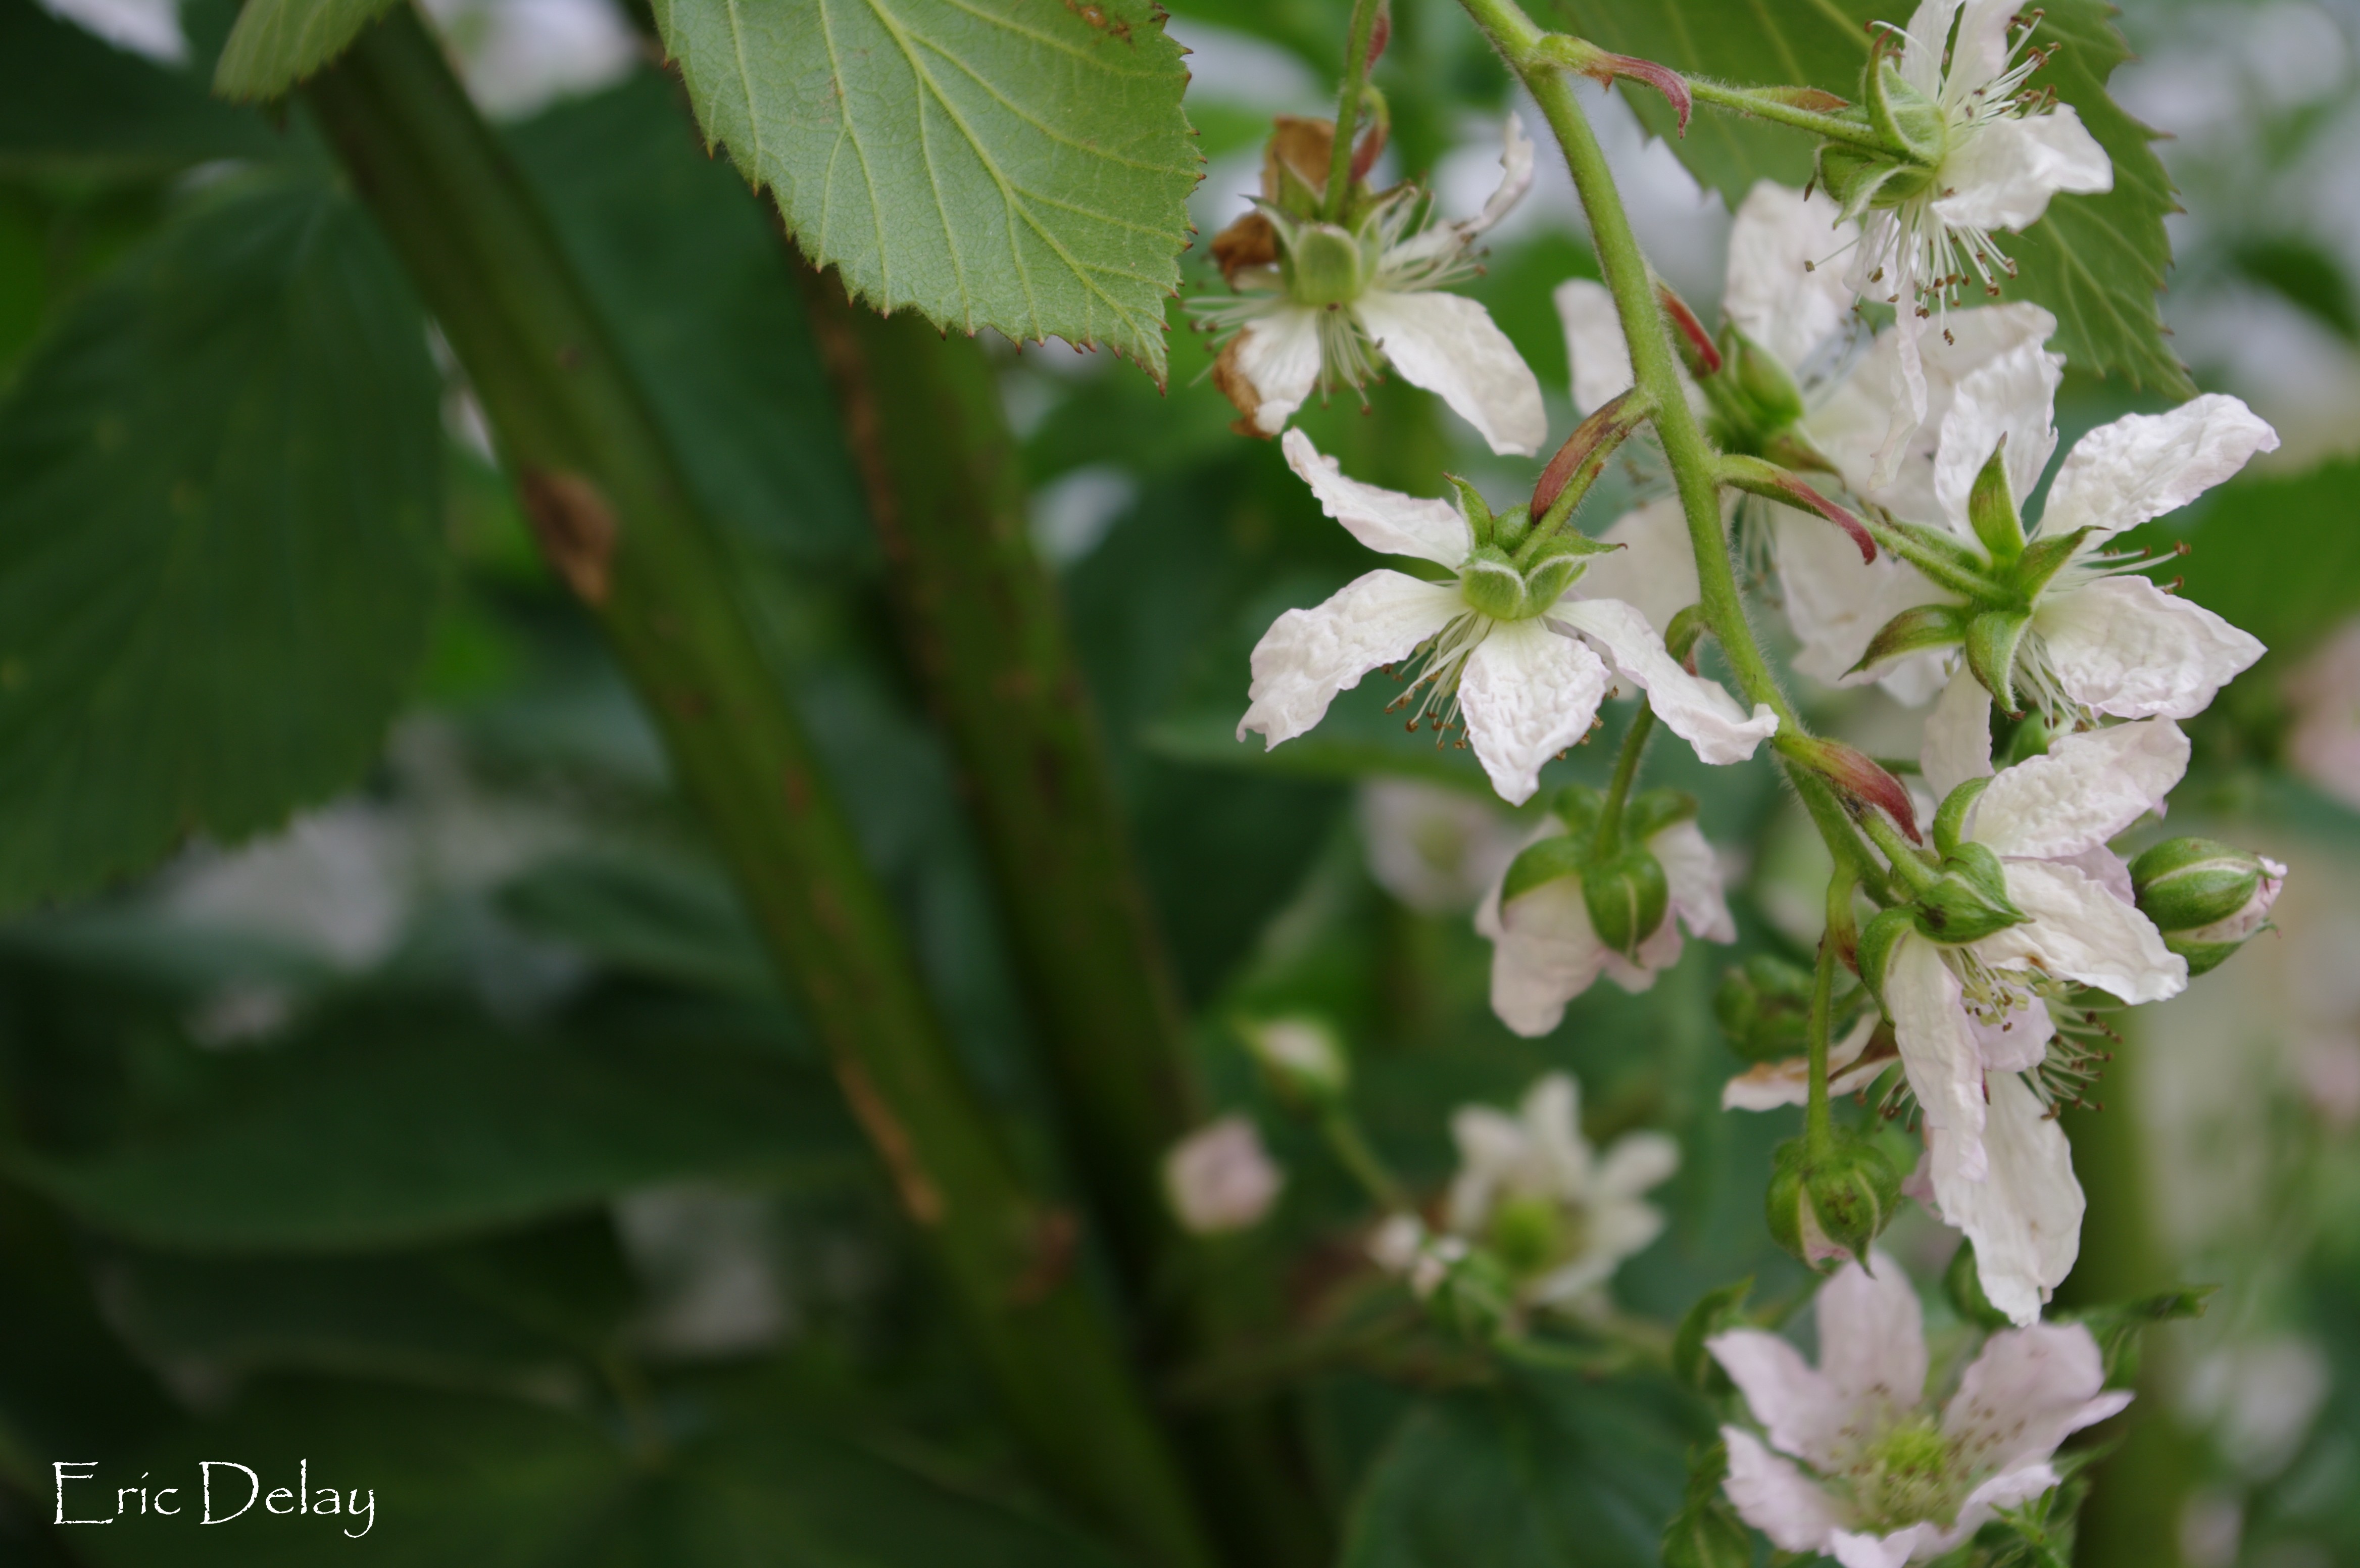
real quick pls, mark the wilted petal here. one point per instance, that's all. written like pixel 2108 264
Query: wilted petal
pixel 1527 694
pixel 2077 930
pixel 1872 1336
pixel 1697 710
pixel 1310 656
pixel 1693 871
pixel 1515 177
pixel 1938 1046
pixel 1447 344
pixel 2121 645
pixel 2011 398
pixel 2087 788
pixel 2143 466
pixel 2025 1214
pixel 1804 1413
pixel 2030 1390
pixel 1547 954
pixel 1594 344
pixel 2002 177
pixel 1278 356
pixel 1780 294
pixel 1656 569
pixel 1774 1495
pixel 1386 520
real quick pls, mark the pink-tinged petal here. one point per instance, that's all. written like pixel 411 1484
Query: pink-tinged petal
pixel 1956 743
pixel 2000 177
pixel 2089 787
pixel 1781 292
pixel 2011 398
pixel 1279 356
pixel 2107 869
pixel 2015 1042
pixel 1655 570
pixel 1803 1412
pixel 1307 656
pixel 1767 1085
pixel 2030 1390
pixel 2077 930
pixel 1861 1549
pixel 2144 466
pixel 1547 954
pixel 1774 1495
pixel 1692 870
pixel 2121 645
pixel 1872 1336
pixel 1697 710
pixel 2024 1214
pixel 1447 344
pixel 1938 1049
pixel 1658 952
pixel 1386 520
pixel 1593 344
pixel 1527 695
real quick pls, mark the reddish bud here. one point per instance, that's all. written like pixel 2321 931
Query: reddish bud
pixel 1583 456
pixel 1381 33
pixel 1696 348
pixel 1605 68
pixel 1855 774
pixel 1754 477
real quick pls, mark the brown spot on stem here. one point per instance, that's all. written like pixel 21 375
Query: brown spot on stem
pixel 576 530
pixel 1048 1256
pixel 920 1197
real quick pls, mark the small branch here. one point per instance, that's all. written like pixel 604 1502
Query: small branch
pixel 1618 791
pixel 1804 109
pixel 1357 50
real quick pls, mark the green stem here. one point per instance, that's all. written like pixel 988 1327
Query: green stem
pixel 1942 569
pixel 980 615
pixel 1618 790
pixel 1839 831
pixel 1353 1151
pixel 606 495
pixel 1819 1123
pixel 1348 108
pixel 1909 861
pixel 1760 106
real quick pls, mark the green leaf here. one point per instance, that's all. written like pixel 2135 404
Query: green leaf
pixel 411 1126
pixel 218 550
pixel 70 100
pixel 278 43
pixel 669 920
pixel 1540 1472
pixel 1015 164
pixel 2094 261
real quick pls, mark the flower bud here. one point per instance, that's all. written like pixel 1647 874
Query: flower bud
pixel 1828 1208
pixel 1758 396
pixel 1220 1179
pixel 1765 1008
pixel 1971 900
pixel 1627 896
pixel 1466 1290
pixel 2205 897
pixel 1302 1057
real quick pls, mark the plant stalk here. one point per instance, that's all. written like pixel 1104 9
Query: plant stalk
pixel 1618 789
pixel 1348 107
pixel 607 498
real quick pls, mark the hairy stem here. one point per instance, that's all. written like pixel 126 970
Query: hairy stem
pixel 1762 106
pixel 1626 771
pixel 1348 107
pixel 607 498
pixel 1819 1124
pixel 1908 862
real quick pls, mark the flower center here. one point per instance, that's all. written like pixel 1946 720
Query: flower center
pixel 1325 265
pixel 1907 1475
pixel 1532 1234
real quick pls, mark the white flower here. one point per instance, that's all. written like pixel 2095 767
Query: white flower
pixel 1994 159
pixel 2100 639
pixel 1530 1188
pixel 1545 951
pixel 1526 688
pixel 1433 848
pixel 1972 1018
pixel 1220 1177
pixel 1884 1479
pixel 1340 304
pixel 1853 422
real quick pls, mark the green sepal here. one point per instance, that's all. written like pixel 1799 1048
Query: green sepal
pixel 1628 897
pixel 1964 1283
pixel 1477 511
pixel 1578 806
pixel 1716 1310
pixel 2118 1329
pixel 1970 902
pixel 2203 958
pixel 1476 1298
pixel 2044 558
pixel 1556 564
pixel 1878 939
pixel 1559 855
pixel 1510 528
pixel 1707 1533
pixel 1943 546
pixel 1763 1009
pixel 1827 1207
pixel 1651 811
pixel 1950 816
pixel 1991 506
pixel 1911 124
pixel 1992 640
pixel 1757 394
pixel 1915 630
pixel 1492 583
pixel 1325 265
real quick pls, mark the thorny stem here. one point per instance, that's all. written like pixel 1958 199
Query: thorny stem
pixel 1348 107
pixel 1626 770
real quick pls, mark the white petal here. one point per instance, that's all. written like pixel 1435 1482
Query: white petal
pixel 1516 178
pixel 1386 520
pixel 1547 954
pixel 2078 930
pixel 1981 52
pixel 1872 1336
pixel 1772 297
pixel 1447 344
pixel 1929 41
pixel 1693 871
pixel 1863 1549
pixel 2012 396
pixel 1837 603
pixel 1957 744
pixel 1938 1046
pixel 1310 656
pixel 1636 1163
pixel 1593 344
pixel 2089 787
pixel 2002 176
pixel 2017 1041
pixel 2121 645
pixel 1767 1085
pixel 1655 570
pixel 1695 710
pixel 1527 695
pixel 2143 466
pixel 2030 1390
pixel 1804 1413
pixel 1616 1230
pixel 2025 1214
pixel 1491 1147
pixel 1658 953
pixel 1278 354
pixel 1774 1495
pixel 2007 1490
pixel 1552 1117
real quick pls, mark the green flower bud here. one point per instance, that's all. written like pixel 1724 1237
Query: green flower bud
pixel 1971 900
pixel 1765 1008
pixel 1302 1057
pixel 1756 395
pixel 1627 896
pixel 1325 265
pixel 2207 898
pixel 1829 1208
pixel 1475 1296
